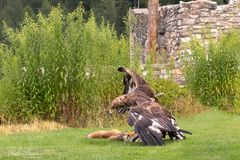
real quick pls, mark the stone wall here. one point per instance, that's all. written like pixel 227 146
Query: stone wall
pixel 178 23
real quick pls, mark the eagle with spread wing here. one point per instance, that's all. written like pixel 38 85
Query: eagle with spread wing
pixel 151 121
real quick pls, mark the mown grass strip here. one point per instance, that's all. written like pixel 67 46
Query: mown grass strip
pixel 216 135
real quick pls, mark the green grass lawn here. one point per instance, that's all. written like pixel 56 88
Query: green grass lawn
pixel 216 136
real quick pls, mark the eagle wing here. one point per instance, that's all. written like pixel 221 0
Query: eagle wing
pixel 129 76
pixel 124 102
pixel 151 122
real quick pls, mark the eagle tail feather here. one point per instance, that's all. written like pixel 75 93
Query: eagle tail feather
pixel 184 131
pixel 154 140
pixel 148 136
pixel 176 135
pixel 143 136
pixel 156 137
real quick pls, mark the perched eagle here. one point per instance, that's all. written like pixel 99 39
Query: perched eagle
pixel 150 120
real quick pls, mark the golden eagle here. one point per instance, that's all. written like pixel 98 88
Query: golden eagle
pixel 150 120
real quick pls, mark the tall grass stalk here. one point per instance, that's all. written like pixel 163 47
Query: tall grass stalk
pixel 214 75
pixel 60 67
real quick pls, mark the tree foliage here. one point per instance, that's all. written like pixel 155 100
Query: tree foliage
pixel 113 11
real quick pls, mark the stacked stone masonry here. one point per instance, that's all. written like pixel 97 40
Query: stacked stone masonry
pixel 178 23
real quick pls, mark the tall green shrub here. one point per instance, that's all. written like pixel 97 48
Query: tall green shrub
pixel 60 67
pixel 213 73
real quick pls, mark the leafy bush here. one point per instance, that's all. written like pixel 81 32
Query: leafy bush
pixel 169 91
pixel 60 67
pixel 214 76
pixel 176 99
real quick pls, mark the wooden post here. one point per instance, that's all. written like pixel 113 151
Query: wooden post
pixel 151 42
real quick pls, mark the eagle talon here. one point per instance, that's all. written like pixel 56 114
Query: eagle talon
pixel 130 136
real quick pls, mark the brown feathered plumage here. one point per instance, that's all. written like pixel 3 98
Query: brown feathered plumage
pixel 150 120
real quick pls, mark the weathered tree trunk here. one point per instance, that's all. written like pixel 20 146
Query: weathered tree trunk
pixel 151 42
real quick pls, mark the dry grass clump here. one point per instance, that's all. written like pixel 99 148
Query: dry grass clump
pixel 188 106
pixel 35 126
